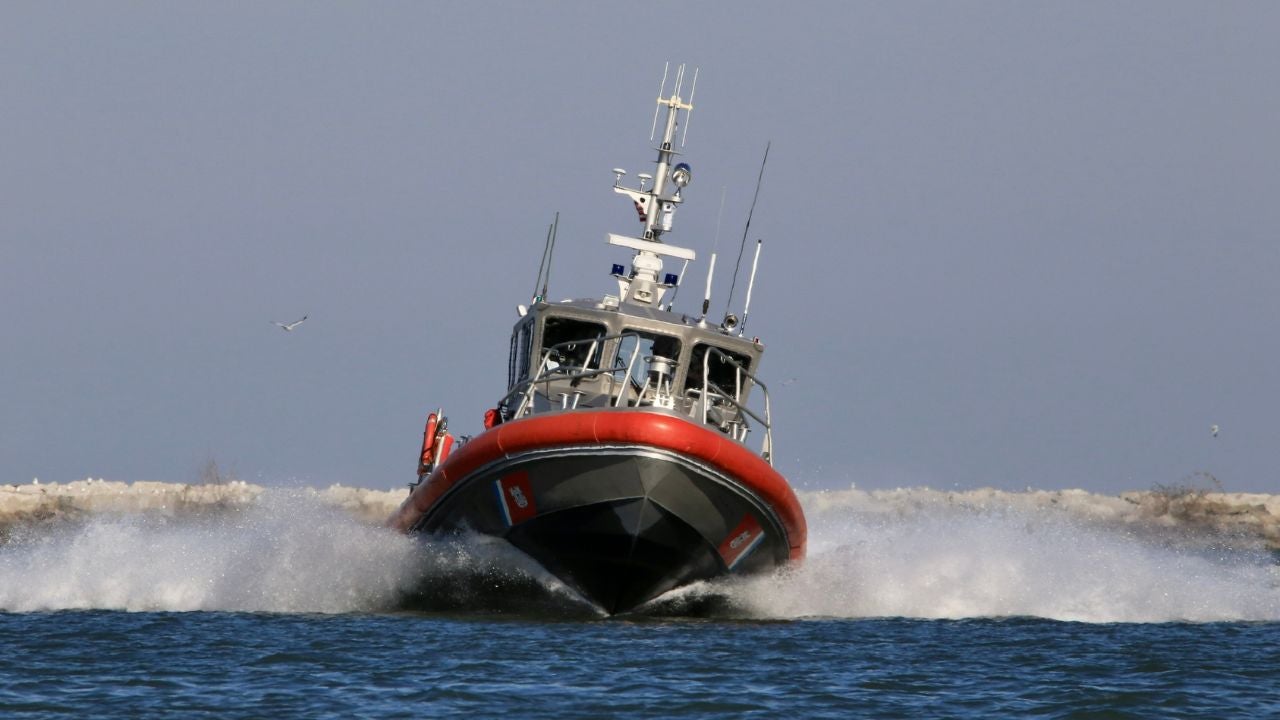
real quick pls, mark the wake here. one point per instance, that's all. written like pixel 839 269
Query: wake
pixel 282 554
pixel 926 557
pixel 920 556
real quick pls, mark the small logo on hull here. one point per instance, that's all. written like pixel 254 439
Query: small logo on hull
pixel 741 541
pixel 515 497
pixel 521 501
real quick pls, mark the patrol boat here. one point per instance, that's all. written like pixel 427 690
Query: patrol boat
pixel 618 458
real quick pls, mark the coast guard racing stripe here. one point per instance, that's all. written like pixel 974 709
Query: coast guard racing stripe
pixel 741 541
pixel 515 497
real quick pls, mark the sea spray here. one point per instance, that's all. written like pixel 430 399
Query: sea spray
pixel 286 553
pixel 920 553
pixel 930 557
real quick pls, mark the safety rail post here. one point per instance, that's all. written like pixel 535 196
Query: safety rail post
pixel 766 449
pixel 528 388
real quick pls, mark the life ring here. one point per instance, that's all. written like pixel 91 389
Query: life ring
pixel 436 443
pixel 428 455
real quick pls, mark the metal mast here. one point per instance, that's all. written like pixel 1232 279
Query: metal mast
pixel 655 205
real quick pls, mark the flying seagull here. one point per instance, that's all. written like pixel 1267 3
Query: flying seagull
pixel 1213 430
pixel 288 327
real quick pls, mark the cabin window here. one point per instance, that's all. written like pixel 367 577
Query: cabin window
pixel 721 372
pixel 521 344
pixel 572 343
pixel 645 345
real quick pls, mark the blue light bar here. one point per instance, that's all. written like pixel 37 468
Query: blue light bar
pixel 671 279
pixel 618 269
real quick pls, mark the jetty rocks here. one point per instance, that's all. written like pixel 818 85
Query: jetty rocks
pixel 37 503
pixel 1167 515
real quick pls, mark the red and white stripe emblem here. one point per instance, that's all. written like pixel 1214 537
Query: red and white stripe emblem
pixel 515 497
pixel 741 541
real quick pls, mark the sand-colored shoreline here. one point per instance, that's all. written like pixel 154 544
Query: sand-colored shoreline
pixel 39 503
pixel 1246 517
pixel 1193 515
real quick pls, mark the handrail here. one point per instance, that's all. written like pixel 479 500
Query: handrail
pixel 766 449
pixel 544 374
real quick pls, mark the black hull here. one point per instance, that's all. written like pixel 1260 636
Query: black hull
pixel 618 555
pixel 620 526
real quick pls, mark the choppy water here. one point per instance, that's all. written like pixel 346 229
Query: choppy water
pixel 228 665
pixel 297 611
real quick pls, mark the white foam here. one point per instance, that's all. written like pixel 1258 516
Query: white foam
pixel 286 554
pixel 910 553
pixel 932 559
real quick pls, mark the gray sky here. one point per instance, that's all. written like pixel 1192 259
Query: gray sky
pixel 1006 244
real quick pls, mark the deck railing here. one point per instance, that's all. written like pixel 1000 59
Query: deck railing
pixel 709 395
pixel 549 371
pixel 737 428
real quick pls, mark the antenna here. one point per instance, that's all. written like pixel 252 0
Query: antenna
pixel 750 212
pixel 679 282
pixel 747 308
pixel 711 269
pixel 542 266
pixel 661 89
pixel 688 116
pixel 551 249
pixel 706 299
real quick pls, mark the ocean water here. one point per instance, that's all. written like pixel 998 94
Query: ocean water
pixel 295 610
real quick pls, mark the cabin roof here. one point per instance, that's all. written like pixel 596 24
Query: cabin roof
pixel 649 318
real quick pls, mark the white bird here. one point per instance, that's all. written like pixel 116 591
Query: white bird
pixel 1213 430
pixel 288 327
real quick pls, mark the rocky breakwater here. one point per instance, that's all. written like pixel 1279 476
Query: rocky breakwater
pixel 1172 515
pixel 1175 515
pixel 41 504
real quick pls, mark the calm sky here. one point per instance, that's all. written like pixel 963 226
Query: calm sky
pixel 1007 244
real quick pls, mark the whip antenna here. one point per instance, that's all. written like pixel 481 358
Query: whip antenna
pixel 680 283
pixel 666 68
pixel 711 269
pixel 551 250
pixel 542 266
pixel 746 309
pixel 742 247
pixel 706 300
